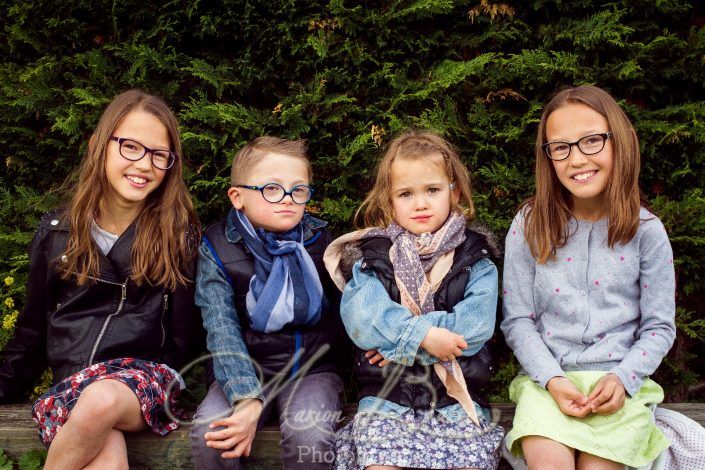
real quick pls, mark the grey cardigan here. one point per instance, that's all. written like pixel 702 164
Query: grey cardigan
pixel 592 307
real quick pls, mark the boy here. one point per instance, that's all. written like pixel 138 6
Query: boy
pixel 271 314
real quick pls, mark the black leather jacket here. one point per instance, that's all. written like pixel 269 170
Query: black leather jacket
pixel 69 327
pixel 418 386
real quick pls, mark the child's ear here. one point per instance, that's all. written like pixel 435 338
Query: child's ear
pixel 454 193
pixel 235 196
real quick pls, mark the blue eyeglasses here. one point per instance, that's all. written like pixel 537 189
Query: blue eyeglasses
pixel 273 192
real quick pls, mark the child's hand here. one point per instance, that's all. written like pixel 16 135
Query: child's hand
pixel 608 395
pixel 374 356
pixel 568 398
pixel 443 343
pixel 236 439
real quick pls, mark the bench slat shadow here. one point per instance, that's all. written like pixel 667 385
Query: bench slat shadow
pixel 146 450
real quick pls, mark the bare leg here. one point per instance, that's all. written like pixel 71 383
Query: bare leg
pixel 593 462
pixel 542 453
pixel 113 456
pixel 102 407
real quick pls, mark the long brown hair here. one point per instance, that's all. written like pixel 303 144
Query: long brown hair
pixel 376 209
pixel 167 229
pixel 547 213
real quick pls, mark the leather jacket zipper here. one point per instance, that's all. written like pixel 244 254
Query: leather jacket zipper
pixel 123 295
pixel 166 306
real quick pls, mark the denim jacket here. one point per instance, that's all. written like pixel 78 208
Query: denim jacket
pixel 232 365
pixel 374 321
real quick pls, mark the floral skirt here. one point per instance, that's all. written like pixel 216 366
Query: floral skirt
pixel 417 439
pixel 148 380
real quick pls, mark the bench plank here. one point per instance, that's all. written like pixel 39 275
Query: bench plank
pixel 146 450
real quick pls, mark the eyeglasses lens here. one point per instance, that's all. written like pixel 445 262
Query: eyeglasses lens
pixel 134 151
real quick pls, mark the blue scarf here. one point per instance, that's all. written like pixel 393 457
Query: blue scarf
pixel 285 288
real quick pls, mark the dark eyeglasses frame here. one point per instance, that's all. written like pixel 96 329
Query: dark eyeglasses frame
pixel 604 135
pixel 147 150
pixel 286 193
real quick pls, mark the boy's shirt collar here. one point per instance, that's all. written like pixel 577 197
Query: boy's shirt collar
pixel 310 223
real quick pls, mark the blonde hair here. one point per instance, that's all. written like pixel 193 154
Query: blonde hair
pixel 167 229
pixel 254 152
pixel 550 209
pixel 376 210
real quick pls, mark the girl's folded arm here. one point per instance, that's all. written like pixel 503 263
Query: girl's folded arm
pixel 474 316
pixel 374 321
pixel 232 364
pixel 519 324
pixel 657 329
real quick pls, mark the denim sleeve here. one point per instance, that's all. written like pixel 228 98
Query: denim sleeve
pixel 374 321
pixel 657 329
pixel 232 364
pixel 473 317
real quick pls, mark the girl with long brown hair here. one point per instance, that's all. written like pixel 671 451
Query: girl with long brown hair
pixel 110 305
pixel 589 290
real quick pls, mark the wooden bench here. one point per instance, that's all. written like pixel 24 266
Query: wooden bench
pixel 18 434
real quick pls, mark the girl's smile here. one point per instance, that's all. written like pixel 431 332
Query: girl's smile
pixel 137 181
pixel 584 176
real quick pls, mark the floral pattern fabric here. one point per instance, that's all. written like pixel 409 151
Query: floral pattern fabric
pixel 417 439
pixel 148 380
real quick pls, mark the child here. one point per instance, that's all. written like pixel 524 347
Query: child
pixel 588 294
pixel 271 314
pixel 424 293
pixel 109 302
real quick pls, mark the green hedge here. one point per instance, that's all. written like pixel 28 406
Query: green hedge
pixel 346 75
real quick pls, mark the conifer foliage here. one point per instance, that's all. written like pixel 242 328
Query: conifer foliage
pixel 347 75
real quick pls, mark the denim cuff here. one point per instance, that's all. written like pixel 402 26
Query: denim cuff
pixel 240 388
pixel 410 340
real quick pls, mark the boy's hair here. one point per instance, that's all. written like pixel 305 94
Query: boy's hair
pixel 548 211
pixel 167 229
pixel 376 209
pixel 253 153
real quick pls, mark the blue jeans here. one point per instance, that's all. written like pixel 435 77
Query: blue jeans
pixel 309 413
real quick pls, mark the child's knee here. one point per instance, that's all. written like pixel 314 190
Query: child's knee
pixel 100 404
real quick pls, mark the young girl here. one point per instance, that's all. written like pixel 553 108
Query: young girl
pixel 588 294
pixel 109 297
pixel 422 298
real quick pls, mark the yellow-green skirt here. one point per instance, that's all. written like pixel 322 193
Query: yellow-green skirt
pixel 628 436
